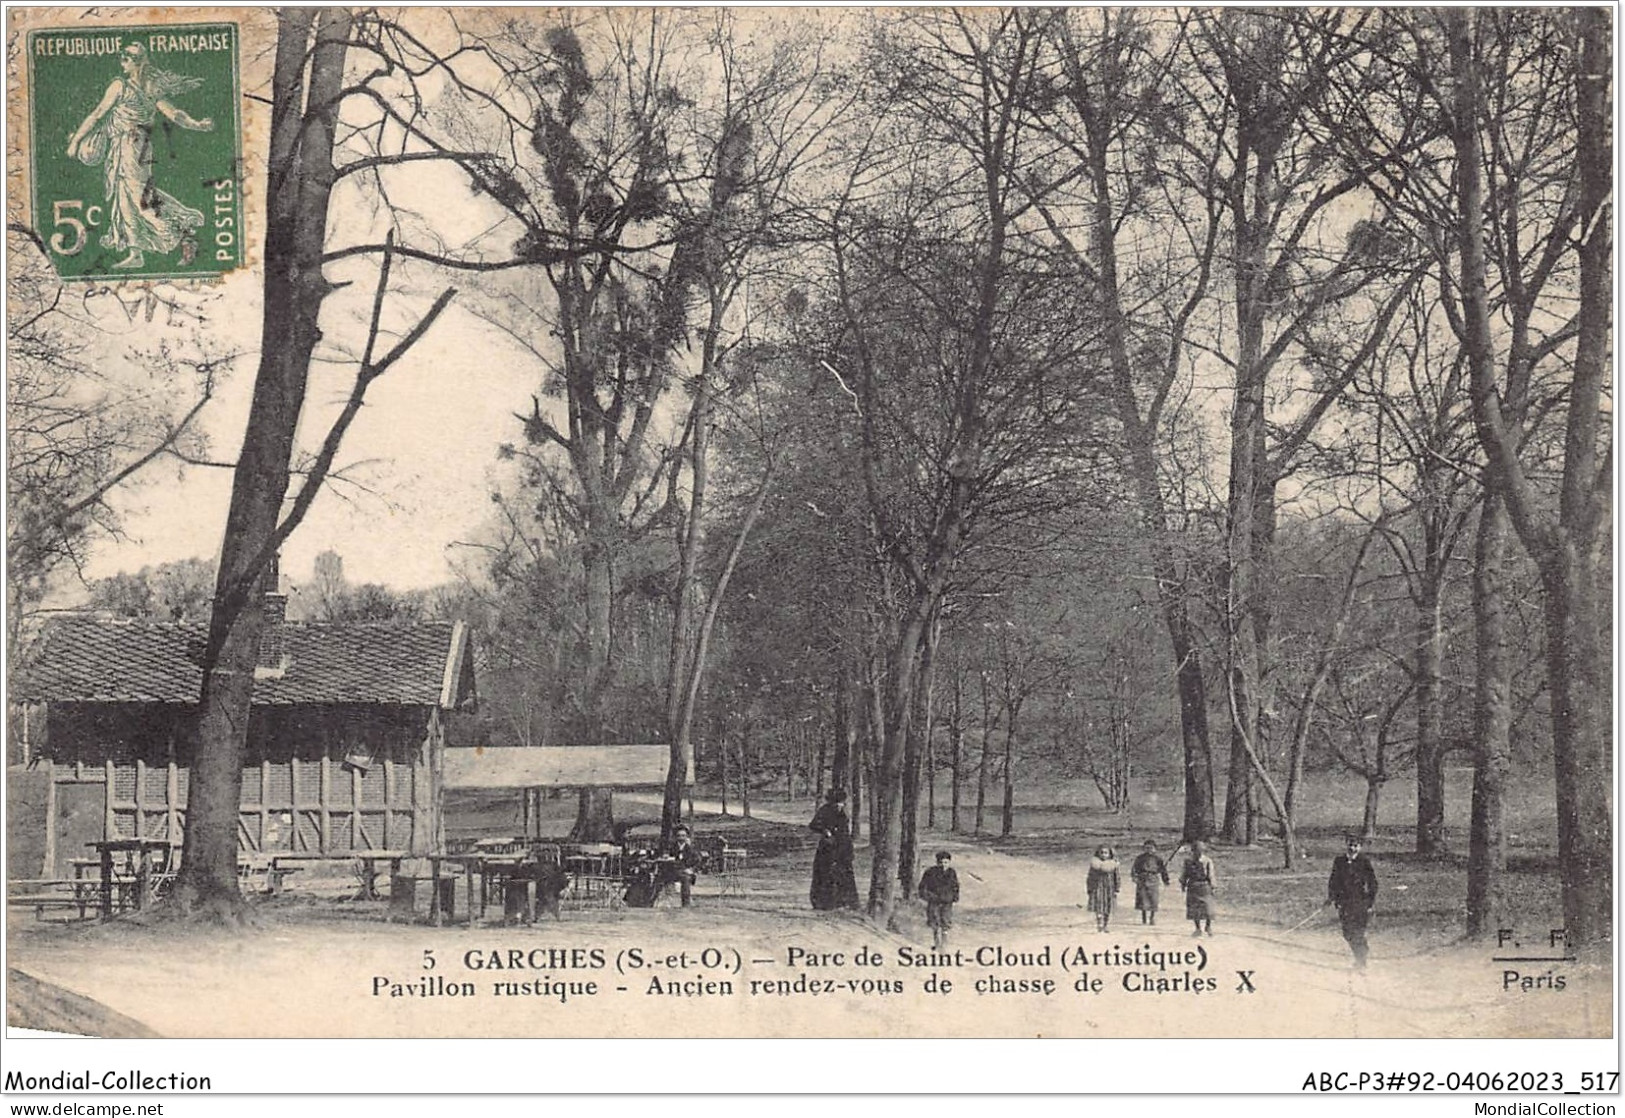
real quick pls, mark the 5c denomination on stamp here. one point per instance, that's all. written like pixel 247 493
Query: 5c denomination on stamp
pixel 136 150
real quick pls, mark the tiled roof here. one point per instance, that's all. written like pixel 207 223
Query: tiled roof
pixel 90 660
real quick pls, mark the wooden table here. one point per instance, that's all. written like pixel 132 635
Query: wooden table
pixel 140 877
pixel 502 871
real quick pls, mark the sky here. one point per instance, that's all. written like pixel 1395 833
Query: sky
pixel 424 446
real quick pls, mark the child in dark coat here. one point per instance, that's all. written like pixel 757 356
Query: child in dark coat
pixel 1150 874
pixel 1198 879
pixel 939 889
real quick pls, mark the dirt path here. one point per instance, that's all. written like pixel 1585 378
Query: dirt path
pixel 1026 961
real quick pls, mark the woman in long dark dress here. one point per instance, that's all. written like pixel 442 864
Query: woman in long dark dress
pixel 833 885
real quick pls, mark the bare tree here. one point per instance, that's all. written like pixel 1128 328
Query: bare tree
pixel 1571 546
pixel 1410 453
pixel 1253 91
pixel 1113 80
pixel 1364 739
pixel 1525 179
pixel 313 145
pixel 752 146
pixel 86 417
pixel 939 242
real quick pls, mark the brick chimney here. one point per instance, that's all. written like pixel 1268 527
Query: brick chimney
pixel 274 607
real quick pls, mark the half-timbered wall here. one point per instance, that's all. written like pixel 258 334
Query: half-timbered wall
pixel 323 779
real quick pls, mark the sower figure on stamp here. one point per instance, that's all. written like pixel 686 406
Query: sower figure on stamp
pixel 1353 889
pixel 1197 879
pixel 1150 874
pixel 118 135
pixel 833 883
pixel 939 889
pixel 1104 882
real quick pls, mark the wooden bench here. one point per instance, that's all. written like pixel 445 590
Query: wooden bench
pixel 42 893
pixel 276 867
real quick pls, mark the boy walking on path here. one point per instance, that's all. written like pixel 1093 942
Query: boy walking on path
pixel 1150 874
pixel 939 889
pixel 1353 889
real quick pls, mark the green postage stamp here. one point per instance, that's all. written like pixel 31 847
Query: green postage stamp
pixel 137 150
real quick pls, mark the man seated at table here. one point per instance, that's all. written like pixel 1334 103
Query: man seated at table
pixel 676 862
pixel 685 864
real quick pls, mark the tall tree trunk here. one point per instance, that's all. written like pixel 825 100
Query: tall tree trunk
pixel 1248 470
pixel 1008 807
pixel 1577 573
pixel 930 783
pixel 1578 663
pixel 901 682
pixel 1240 622
pixel 595 807
pixel 1492 725
pixel 1373 796
pixel 874 744
pixel 744 770
pixel 685 664
pixel 299 182
pixel 987 746
pixel 1430 838
pixel 595 816
pixel 908 851
pixel 1250 198
pixel 1140 438
pixel 1195 741
pixel 722 755
pixel 846 734
pixel 919 737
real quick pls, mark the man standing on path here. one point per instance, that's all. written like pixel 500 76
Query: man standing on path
pixel 1353 889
